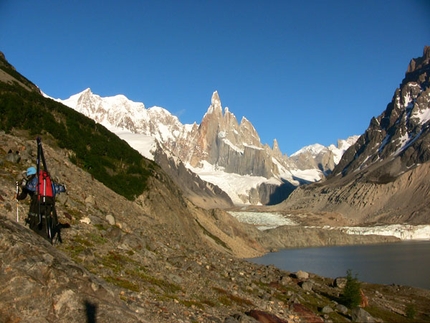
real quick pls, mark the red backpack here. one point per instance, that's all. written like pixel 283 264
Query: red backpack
pixel 44 186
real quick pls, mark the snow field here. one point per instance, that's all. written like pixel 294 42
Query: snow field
pixel 268 220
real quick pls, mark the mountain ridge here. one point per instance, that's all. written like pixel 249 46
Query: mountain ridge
pixel 220 140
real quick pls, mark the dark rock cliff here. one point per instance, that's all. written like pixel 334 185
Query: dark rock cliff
pixel 384 177
pixel 400 132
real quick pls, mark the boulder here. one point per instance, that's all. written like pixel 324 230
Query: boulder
pixel 360 315
pixel 285 280
pixel 341 309
pixel 307 285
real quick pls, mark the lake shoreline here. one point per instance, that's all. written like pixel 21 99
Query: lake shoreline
pixel 398 263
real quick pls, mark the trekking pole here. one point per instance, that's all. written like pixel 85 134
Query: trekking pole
pixel 16 197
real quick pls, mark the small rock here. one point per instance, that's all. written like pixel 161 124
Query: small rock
pixel 90 200
pixel 302 274
pixel 110 218
pixel 340 282
pixel 13 157
pixel 85 220
pixel 307 285
pixel 327 309
pixel 175 278
pixel 285 280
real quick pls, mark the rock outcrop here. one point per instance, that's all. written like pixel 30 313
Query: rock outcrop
pixel 223 142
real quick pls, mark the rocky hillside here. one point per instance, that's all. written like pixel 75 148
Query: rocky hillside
pixel 158 259
pixel 384 177
pixel 9 75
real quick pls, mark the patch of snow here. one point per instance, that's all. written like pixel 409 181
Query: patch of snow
pixel 314 149
pixel 253 147
pixel 384 142
pixel 338 151
pixel 142 143
pixel 235 185
pixel 222 134
pixel 403 142
pixel 423 116
pixel 401 231
pixel 262 220
pixel 307 175
pixel 342 146
pixel 234 147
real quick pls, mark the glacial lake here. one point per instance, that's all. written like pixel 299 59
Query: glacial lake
pixel 401 263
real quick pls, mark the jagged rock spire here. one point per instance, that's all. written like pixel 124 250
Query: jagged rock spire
pixel 215 106
pixel 417 63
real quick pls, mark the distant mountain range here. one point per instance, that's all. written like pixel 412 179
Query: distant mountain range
pixel 220 150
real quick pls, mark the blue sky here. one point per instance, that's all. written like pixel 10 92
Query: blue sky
pixel 302 72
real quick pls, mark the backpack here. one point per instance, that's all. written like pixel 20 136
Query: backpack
pixel 44 186
pixel 47 187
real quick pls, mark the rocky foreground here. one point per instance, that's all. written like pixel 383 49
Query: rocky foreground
pixel 101 273
pixel 162 259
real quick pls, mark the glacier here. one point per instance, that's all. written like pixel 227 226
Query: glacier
pixel 269 220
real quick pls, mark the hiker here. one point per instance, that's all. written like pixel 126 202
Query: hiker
pixel 28 187
pixel 37 183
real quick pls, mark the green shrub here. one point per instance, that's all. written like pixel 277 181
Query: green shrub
pixel 410 311
pixel 351 296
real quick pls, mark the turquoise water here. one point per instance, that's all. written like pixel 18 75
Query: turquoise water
pixel 402 263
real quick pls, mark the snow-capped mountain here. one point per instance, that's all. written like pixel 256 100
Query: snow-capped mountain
pixel 220 150
pixel 121 114
pixel 320 157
